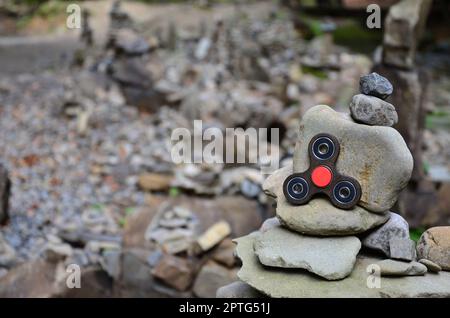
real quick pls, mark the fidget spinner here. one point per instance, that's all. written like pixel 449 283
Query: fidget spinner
pixel 322 177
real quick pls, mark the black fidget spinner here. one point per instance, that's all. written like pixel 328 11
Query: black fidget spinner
pixel 322 177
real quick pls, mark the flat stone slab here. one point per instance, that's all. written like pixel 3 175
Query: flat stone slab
pixel 298 284
pixel 389 267
pixel 319 216
pixel 332 258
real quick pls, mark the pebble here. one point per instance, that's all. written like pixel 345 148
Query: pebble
pixel 250 189
pixel 173 223
pixel 375 85
pixel 432 267
pixel 332 258
pixel 373 111
pixel 390 267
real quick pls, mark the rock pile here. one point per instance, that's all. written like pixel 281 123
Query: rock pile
pixel 314 249
pixel 369 107
pixel 183 248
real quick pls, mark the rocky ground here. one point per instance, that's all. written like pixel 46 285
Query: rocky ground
pixel 87 143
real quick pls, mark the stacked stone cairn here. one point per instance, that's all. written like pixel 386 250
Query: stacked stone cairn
pixel 319 250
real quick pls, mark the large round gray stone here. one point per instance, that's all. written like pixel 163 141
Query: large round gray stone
pixel 360 283
pixel 376 156
pixel 319 216
pixel 332 258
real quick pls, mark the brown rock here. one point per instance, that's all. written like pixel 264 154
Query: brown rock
pixel 224 253
pixel 175 271
pixel 214 235
pixel 155 181
pixel 95 283
pixel 434 245
pixel 136 224
pixel 211 278
pixel 137 280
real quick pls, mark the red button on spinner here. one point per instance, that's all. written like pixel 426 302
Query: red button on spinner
pixel 321 176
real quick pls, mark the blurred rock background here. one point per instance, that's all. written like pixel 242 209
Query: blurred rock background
pixel 86 116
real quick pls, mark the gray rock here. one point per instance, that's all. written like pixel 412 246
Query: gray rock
pixel 375 156
pixel 329 257
pixel 111 263
pixel 210 278
pixel 154 258
pixel 389 267
pixel 269 224
pixel 238 290
pixel 375 85
pixel 402 249
pixel 128 42
pixel 202 48
pixel 3 272
pixel 404 26
pixel 250 189
pixel 54 252
pixel 373 111
pixel 434 245
pixel 392 239
pixel 431 266
pixel 173 223
pixel 319 216
pixel 294 284
pixel 78 257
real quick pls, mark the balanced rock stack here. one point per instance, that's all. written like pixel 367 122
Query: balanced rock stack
pixel 317 249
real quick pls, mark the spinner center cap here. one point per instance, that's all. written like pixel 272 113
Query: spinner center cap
pixel 321 176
